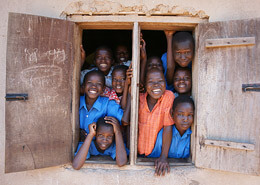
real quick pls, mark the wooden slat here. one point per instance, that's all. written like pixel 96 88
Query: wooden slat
pixel 145 22
pixel 224 111
pixel 230 42
pixel 76 87
pixel 229 144
pixel 134 93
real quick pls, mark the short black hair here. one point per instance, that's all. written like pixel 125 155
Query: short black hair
pixel 105 48
pixel 153 70
pixel 182 99
pixel 179 68
pixel 101 123
pixel 183 36
pixel 92 73
pixel 154 57
pixel 120 67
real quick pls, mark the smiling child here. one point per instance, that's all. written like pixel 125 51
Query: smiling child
pixel 154 115
pixel 108 141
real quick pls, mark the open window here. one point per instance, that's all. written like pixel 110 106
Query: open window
pixel 43 61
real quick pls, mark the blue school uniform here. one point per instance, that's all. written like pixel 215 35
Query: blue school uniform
pixel 111 151
pixel 164 62
pixel 101 108
pixel 180 145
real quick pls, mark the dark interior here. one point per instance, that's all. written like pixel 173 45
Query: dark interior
pixel 156 43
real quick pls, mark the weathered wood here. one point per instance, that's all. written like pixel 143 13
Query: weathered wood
pixel 172 161
pixel 39 62
pixel 229 42
pixel 134 94
pixel 224 111
pixel 229 144
pixel 146 22
pixel 195 75
pixel 76 86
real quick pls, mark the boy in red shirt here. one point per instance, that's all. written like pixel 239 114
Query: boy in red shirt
pixel 154 115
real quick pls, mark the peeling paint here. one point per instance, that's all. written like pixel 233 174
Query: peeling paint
pixel 97 7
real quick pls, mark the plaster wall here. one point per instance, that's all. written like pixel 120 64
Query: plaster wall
pixel 217 10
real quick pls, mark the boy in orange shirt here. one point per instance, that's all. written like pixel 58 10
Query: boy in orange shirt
pixel 154 115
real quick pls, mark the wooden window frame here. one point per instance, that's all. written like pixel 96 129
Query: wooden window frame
pixel 134 23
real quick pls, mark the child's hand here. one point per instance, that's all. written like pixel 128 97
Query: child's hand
pixel 113 121
pixel 169 33
pixel 82 135
pixel 143 55
pixel 83 54
pixel 161 165
pixel 141 88
pixel 92 128
pixel 129 74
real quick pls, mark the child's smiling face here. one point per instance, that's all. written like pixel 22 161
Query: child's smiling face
pixel 155 83
pixel 122 54
pixel 93 86
pixel 182 81
pixel 104 137
pixel 154 62
pixel 183 116
pixel 104 60
pixel 183 53
pixel 118 81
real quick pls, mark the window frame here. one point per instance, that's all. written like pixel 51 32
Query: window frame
pixel 134 23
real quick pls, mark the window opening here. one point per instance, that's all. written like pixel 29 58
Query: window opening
pixel 91 40
pixel 156 45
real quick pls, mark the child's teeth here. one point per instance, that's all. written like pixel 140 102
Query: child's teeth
pixel 103 65
pixel 92 91
pixel 156 90
pixel 122 59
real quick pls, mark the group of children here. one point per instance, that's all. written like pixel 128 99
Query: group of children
pixel 165 105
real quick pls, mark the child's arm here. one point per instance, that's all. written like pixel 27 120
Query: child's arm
pixel 126 116
pixel 161 164
pixel 129 74
pixel 83 151
pixel 121 156
pixel 83 55
pixel 143 59
pixel 170 61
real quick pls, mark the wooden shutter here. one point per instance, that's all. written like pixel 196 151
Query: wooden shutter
pixel 228 119
pixel 39 63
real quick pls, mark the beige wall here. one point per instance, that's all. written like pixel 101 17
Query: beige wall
pixel 217 10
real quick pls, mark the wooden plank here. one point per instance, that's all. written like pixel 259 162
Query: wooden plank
pixel 224 111
pixel 134 94
pixel 229 144
pixel 146 22
pixel 195 81
pixel 172 162
pixel 230 42
pixel 39 63
pixel 76 87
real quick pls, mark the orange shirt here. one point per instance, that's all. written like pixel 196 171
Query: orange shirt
pixel 150 123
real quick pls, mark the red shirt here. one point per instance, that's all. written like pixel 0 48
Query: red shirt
pixel 150 123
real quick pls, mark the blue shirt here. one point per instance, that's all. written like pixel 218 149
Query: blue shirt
pixel 164 62
pixel 180 146
pixel 111 151
pixel 101 108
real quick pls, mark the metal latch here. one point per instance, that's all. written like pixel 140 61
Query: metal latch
pixel 16 97
pixel 251 87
